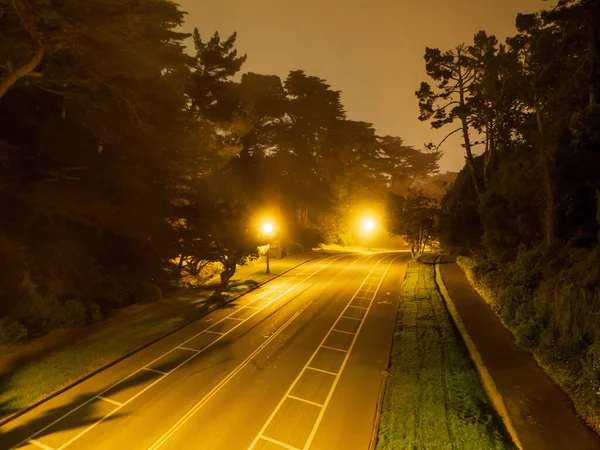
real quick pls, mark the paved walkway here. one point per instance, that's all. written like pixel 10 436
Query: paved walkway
pixel 541 413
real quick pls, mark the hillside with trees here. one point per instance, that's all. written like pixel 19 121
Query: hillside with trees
pixel 127 163
pixel 526 211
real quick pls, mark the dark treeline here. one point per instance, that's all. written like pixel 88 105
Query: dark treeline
pixel 128 164
pixel 528 209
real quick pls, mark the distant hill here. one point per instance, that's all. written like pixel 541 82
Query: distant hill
pixel 435 185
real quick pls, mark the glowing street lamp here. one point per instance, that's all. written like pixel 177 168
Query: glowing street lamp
pixel 368 225
pixel 268 229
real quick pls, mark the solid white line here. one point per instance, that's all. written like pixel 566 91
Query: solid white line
pixel 334 348
pixel 305 401
pixel 276 442
pixel 364 298
pixel 249 307
pixel 236 318
pixel 110 400
pixel 153 370
pixel 321 370
pixel 180 347
pixel 94 424
pixel 359 307
pixel 39 444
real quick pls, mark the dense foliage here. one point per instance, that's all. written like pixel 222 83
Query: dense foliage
pixel 527 210
pixel 127 164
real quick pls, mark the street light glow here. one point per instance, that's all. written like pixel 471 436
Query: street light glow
pixel 267 227
pixel 368 225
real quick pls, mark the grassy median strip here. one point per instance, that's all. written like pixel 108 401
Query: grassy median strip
pixel 434 398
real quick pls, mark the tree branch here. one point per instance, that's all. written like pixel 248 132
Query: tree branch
pixel 23 71
pixel 28 68
pixel 447 136
pixel 454 102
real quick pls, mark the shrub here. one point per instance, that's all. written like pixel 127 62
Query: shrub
pixel 94 312
pixel 148 292
pixel 75 313
pixel 294 248
pixel 11 332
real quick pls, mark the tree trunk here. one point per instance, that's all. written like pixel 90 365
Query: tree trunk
pixel 490 149
pixel 546 178
pixel 23 71
pixel 598 211
pixel 180 266
pixel 594 56
pixel 228 272
pixel 466 137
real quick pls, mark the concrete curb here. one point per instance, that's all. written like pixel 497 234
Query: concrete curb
pixel 488 383
pixel 80 380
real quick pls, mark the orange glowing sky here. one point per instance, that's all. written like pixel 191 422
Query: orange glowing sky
pixel 371 50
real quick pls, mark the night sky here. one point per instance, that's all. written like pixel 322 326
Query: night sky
pixel 371 50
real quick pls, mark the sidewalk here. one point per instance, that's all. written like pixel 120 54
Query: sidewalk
pixel 540 412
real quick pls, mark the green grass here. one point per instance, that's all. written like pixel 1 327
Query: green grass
pixel 434 398
pixel 467 265
pixel 47 374
pixel 119 335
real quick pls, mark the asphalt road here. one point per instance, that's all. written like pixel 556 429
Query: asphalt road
pixel 296 364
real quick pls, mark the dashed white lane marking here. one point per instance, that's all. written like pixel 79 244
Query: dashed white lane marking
pixel 222 383
pixel 187 349
pixel 323 408
pixel 351 318
pixel 39 444
pixel 276 442
pixel 334 348
pixel 342 331
pixel 32 437
pixel 213 332
pixel 321 370
pixel 149 369
pixel 300 399
pixel 187 416
pixel 110 400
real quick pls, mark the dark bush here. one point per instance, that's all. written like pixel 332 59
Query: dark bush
pixel 294 248
pixel 11 332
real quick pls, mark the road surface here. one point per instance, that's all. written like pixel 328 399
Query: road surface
pixel 296 364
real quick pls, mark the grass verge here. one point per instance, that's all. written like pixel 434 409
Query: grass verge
pixel 433 398
pixel 39 376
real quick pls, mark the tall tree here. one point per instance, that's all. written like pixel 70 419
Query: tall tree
pixel 455 76
pixel 87 149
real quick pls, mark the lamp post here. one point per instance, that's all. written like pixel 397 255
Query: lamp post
pixel 368 225
pixel 268 231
